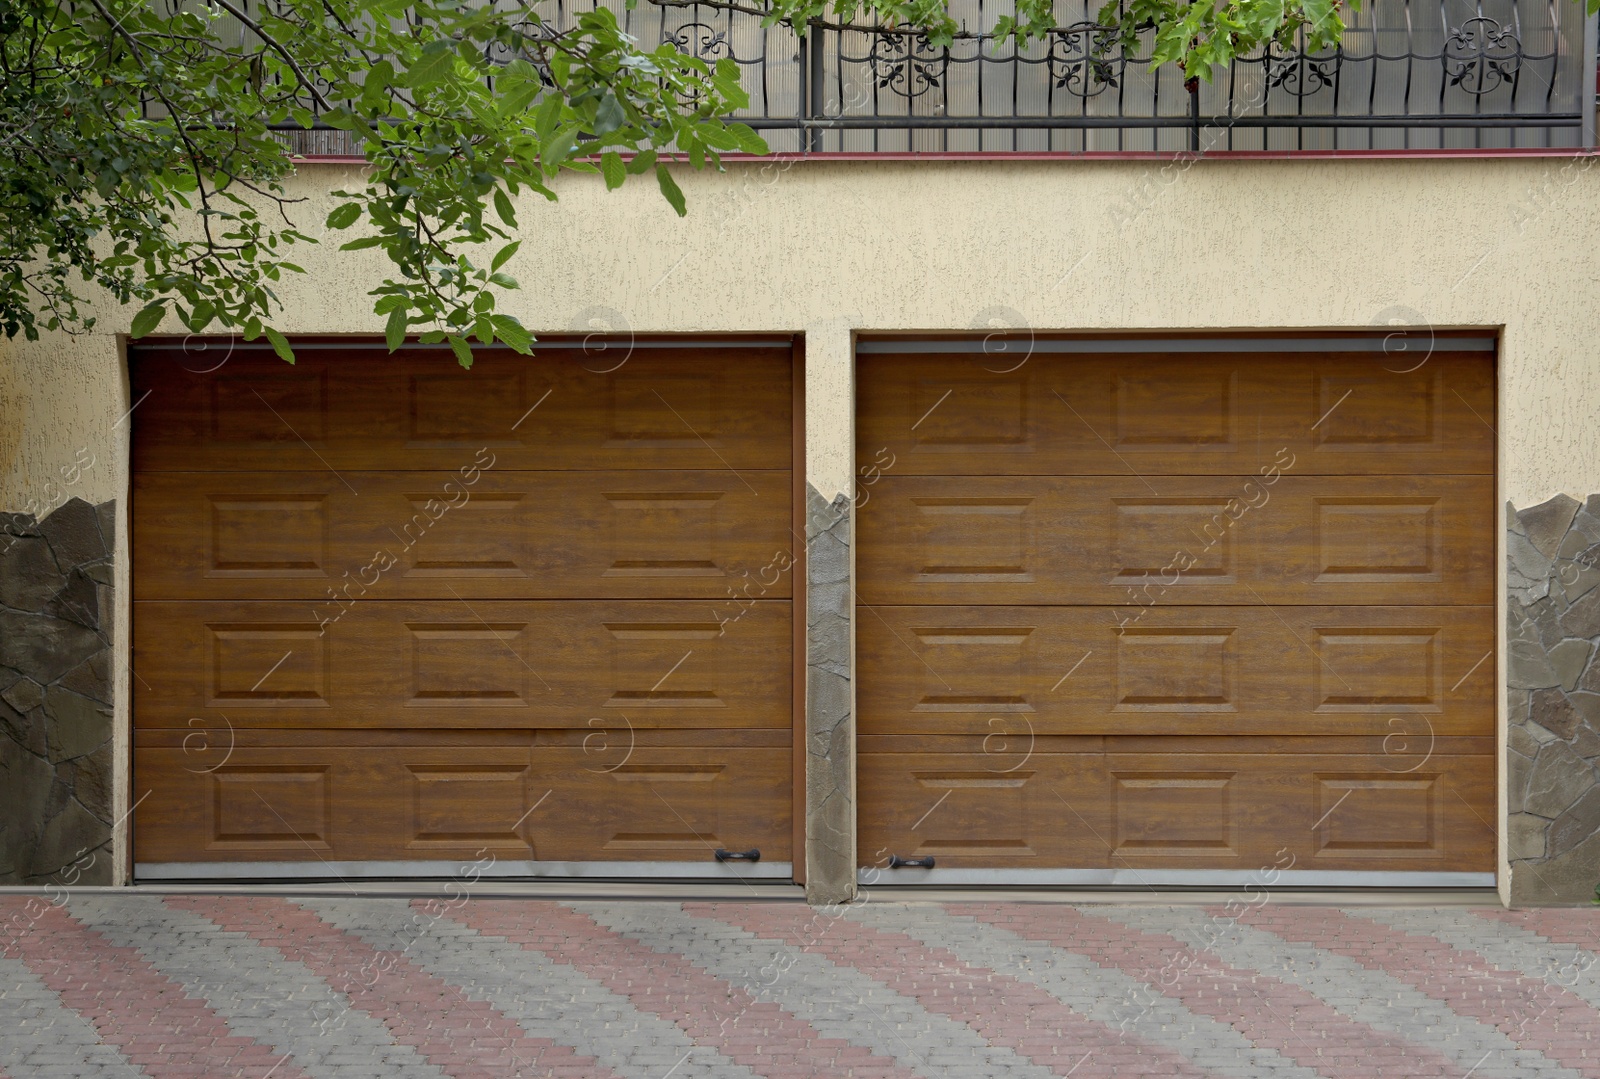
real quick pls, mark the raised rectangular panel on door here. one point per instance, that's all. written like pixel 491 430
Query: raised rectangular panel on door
pixel 349 408
pixel 1176 539
pixel 1175 670
pixel 1148 414
pixel 491 534
pixel 350 798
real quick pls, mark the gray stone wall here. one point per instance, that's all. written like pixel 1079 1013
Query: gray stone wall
pixel 830 722
pixel 1553 691
pixel 55 695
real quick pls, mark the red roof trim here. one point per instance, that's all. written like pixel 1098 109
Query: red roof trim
pixel 1130 155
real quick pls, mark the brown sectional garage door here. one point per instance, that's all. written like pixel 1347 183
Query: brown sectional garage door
pixel 391 615
pixel 1126 616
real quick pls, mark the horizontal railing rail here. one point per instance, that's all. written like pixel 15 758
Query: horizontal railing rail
pixel 1407 74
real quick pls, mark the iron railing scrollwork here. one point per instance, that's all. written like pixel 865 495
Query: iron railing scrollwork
pixel 1084 59
pixel 1480 56
pixel 1405 74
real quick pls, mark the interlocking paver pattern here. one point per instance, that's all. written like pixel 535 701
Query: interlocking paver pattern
pixel 119 986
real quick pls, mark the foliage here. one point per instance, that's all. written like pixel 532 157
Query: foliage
pixel 141 154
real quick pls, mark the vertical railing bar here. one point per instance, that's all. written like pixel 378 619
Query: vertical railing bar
pixel 802 105
pixel 819 72
pixel 1233 98
pixel 1555 64
pixel 1338 77
pixel 1477 96
pixel 1411 65
pixel 1372 84
pixel 1444 83
pixel 1588 85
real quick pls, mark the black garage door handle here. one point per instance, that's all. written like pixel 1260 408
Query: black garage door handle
pixel 751 855
pixel 897 862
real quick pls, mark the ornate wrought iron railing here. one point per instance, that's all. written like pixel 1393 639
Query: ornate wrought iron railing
pixel 1408 74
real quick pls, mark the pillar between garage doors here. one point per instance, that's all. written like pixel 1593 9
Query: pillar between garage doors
pixel 830 721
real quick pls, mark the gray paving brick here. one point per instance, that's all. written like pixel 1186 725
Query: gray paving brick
pixel 1509 947
pixel 1365 996
pixel 1107 996
pixel 35 1026
pixel 256 990
pixel 549 1000
pixel 838 1001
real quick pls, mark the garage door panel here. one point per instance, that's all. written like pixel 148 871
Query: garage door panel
pixel 462 664
pixel 943 414
pixel 1164 810
pixel 1197 611
pixel 472 533
pixel 344 409
pixel 360 802
pixel 1056 540
pixel 1176 670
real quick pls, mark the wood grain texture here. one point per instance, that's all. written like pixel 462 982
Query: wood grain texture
pixel 1055 540
pixel 437 535
pixel 385 607
pixel 1178 611
pixel 349 410
pixel 463 664
pixel 1180 810
pixel 1177 670
pixel 1043 415
pixel 425 801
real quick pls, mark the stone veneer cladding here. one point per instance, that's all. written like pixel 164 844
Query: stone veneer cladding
pixel 55 695
pixel 1553 700
pixel 830 728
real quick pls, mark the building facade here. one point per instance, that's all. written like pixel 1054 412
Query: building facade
pixel 1057 518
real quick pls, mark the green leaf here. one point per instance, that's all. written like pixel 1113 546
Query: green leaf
pixel 394 332
pixel 503 207
pixel 504 255
pixel 613 168
pixel 463 351
pixel 437 58
pixel 748 140
pixel 610 115
pixel 548 116
pixel 558 149
pixel 362 244
pixel 344 216
pixel 376 81
pixel 669 188
pixel 641 162
pixel 509 330
pixel 280 344
pixel 148 318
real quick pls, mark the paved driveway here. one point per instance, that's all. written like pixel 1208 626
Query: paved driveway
pixel 131 984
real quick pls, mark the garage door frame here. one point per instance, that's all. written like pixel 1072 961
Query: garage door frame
pixel 794 870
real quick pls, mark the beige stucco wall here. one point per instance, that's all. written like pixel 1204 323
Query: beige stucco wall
pixel 831 249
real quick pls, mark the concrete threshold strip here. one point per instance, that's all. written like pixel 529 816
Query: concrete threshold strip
pixel 773 892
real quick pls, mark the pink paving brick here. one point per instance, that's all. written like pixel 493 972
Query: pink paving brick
pixel 1270 1012
pixel 760 1035
pixel 133 1006
pixel 1003 1010
pixel 465 1038
pixel 1531 1012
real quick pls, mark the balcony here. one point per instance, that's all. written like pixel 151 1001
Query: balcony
pixel 1409 75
